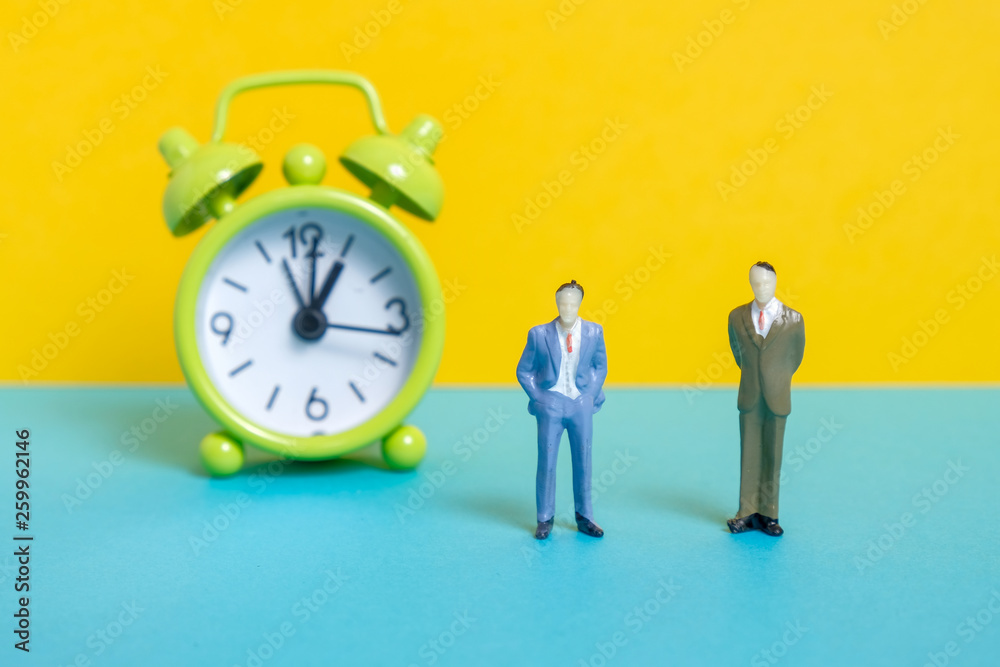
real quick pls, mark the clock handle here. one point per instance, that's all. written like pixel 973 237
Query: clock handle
pixel 298 77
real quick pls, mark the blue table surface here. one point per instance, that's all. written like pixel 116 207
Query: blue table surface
pixel 890 555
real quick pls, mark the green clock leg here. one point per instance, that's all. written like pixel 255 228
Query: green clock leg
pixel 404 448
pixel 221 454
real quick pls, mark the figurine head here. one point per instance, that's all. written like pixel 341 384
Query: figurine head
pixel 568 298
pixel 763 280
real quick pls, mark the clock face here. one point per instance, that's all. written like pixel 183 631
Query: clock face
pixel 308 321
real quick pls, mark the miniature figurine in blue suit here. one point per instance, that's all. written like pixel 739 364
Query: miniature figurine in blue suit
pixel 562 369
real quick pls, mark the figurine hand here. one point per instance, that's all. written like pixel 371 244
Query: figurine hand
pixel 536 404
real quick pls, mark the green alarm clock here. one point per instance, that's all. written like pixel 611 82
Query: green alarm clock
pixel 307 320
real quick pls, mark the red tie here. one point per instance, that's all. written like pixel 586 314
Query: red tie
pixel 569 342
pixel 760 322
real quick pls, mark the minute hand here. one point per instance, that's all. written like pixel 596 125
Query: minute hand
pixel 331 280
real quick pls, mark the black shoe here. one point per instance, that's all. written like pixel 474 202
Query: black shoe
pixel 769 525
pixel 588 527
pixel 543 530
pixel 742 524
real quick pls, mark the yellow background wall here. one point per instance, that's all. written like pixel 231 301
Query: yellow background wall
pixel 522 88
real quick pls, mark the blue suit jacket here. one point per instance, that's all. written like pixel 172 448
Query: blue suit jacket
pixel 538 369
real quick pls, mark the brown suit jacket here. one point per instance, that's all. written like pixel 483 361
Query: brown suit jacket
pixel 767 364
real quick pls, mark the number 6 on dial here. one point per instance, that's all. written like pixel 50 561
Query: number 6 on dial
pixel 309 320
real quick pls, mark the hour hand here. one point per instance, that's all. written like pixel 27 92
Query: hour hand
pixel 331 280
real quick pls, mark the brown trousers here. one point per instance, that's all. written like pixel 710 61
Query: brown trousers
pixel 762 434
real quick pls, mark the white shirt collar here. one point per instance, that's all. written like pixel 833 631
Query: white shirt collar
pixel 575 329
pixel 770 310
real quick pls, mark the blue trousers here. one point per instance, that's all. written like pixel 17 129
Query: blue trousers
pixel 557 413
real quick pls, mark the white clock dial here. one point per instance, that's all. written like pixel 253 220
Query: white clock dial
pixel 326 355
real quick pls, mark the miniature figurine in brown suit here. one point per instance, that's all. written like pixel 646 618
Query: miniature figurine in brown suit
pixel 768 340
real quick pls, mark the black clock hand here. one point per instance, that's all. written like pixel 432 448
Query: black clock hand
pixel 291 281
pixel 331 280
pixel 390 332
pixel 313 254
